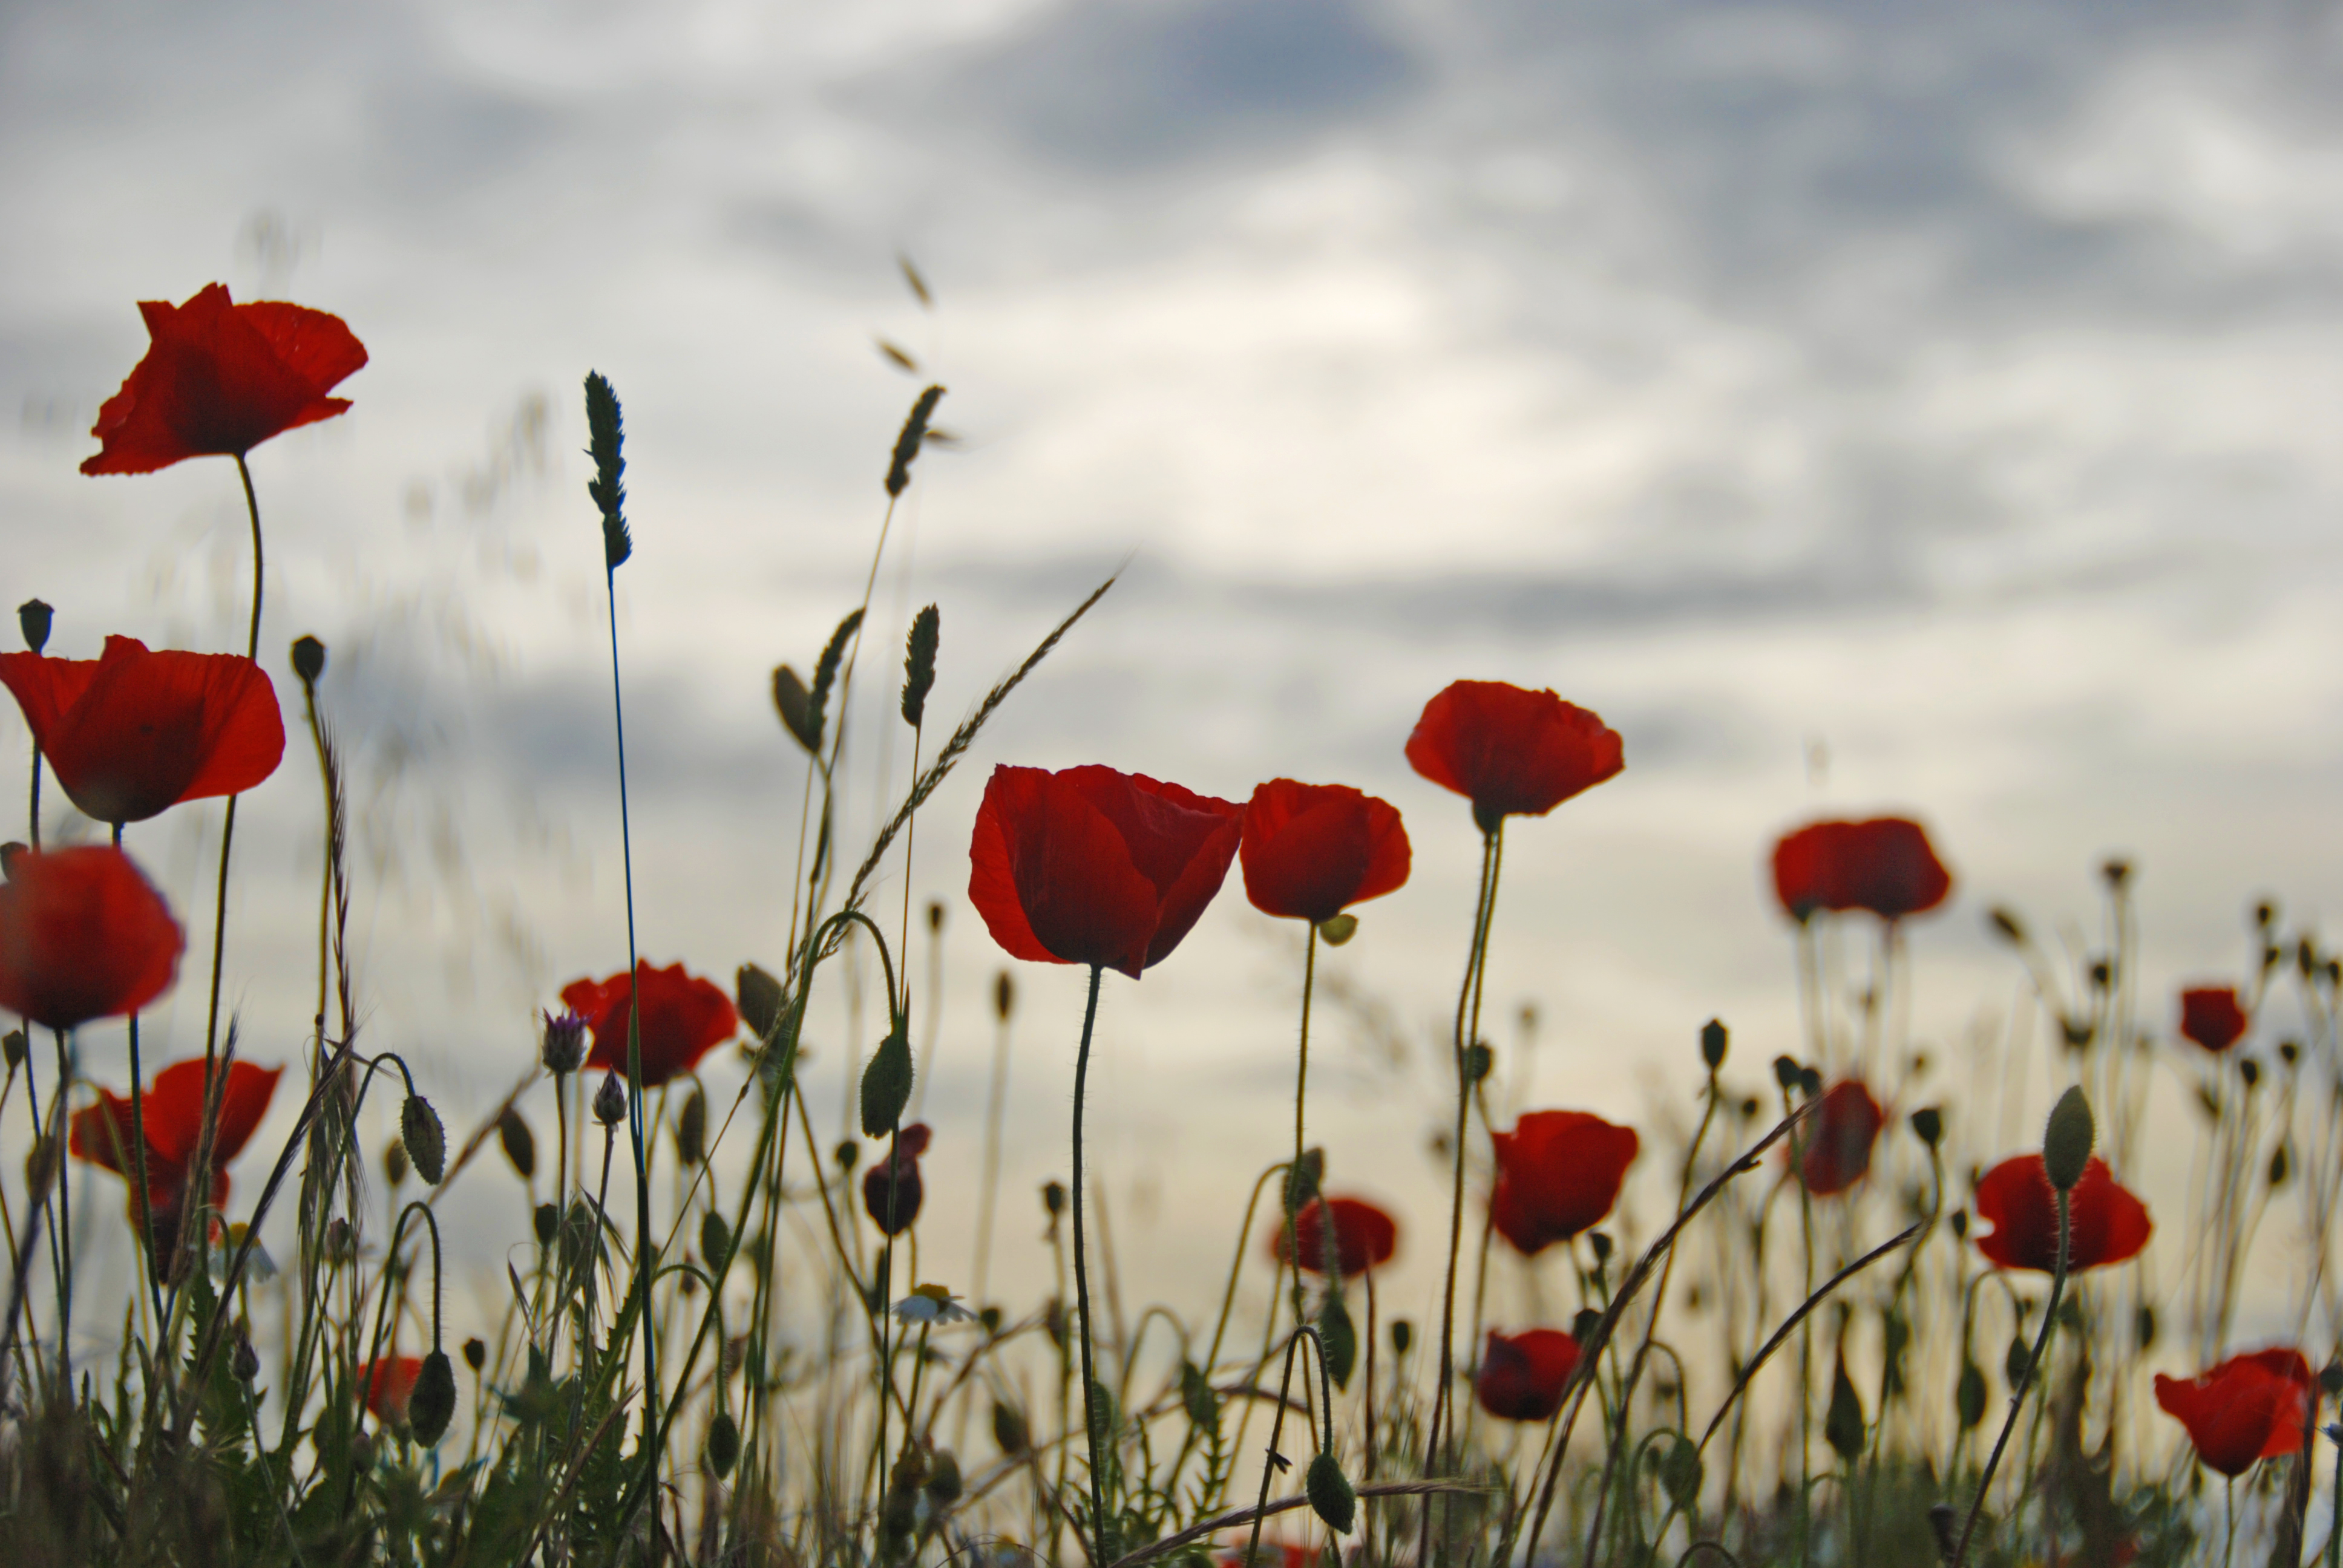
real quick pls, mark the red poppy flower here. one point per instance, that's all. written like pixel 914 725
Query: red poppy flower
pixel 1310 850
pixel 899 1173
pixel 2106 1223
pixel 684 1019
pixel 1884 865
pixel 1511 752
pixel 389 1383
pixel 1839 1138
pixel 82 935
pixel 2248 1408
pixel 1090 866
pixel 2212 1017
pixel 219 379
pixel 1558 1172
pixel 1364 1237
pixel 1287 1555
pixel 1523 1376
pixel 102 1135
pixel 133 733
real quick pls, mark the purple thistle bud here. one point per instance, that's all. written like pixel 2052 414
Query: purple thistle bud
pixel 565 1043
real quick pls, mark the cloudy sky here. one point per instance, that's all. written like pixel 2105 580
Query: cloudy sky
pixel 1860 406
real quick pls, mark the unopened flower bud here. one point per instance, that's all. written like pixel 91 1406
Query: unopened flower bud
pixel 943 1487
pixel 1929 1124
pixel 565 1043
pixel 1713 1039
pixel 1785 1071
pixel 476 1353
pixel 1600 1243
pixel 246 1363
pixel 1331 1497
pixel 12 1047
pixel 393 1162
pixel 432 1405
pixel 1004 996
pixel 547 1222
pixel 309 660
pixel 610 1100
pixel 1402 1336
pixel 33 618
pixel 887 1084
pixel 715 1242
pixel 1583 1325
pixel 2067 1139
pixel 426 1143
pixel 1010 1433
pixel 723 1444
pixel 846 1154
pixel 759 997
pixel 1337 930
pixel 2006 924
pixel 520 1142
pixel 1053 1198
pixel 692 1128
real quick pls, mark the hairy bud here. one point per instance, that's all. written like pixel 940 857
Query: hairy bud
pixel 2067 1139
pixel 692 1128
pixel 432 1405
pixel 426 1143
pixel 887 1084
pixel 1331 1497
pixel 716 1243
pixel 723 1444
pixel 759 996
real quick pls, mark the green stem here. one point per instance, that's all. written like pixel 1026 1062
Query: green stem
pixel 1483 908
pixel 1301 1092
pixel 2018 1394
pixel 1101 1534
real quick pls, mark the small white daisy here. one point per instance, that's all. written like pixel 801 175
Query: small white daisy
pixel 931 1304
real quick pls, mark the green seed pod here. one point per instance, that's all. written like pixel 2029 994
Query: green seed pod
pixel 432 1405
pixel 1842 1423
pixel 919 665
pixel 1713 1039
pixel 760 998
pixel 1478 1060
pixel 716 1243
pixel 12 1047
pixel 1680 1473
pixel 943 1485
pixel 476 1353
pixel 794 703
pixel 548 1221
pixel 427 1144
pixel 1340 1338
pixel 692 1128
pixel 519 1143
pixel 1331 1497
pixel 2067 1139
pixel 1202 1402
pixel 309 660
pixel 33 619
pixel 2019 1357
pixel 1010 1433
pixel 1968 1395
pixel 723 1444
pixel 1336 930
pixel 1929 1121
pixel 886 1085
pixel 1403 1335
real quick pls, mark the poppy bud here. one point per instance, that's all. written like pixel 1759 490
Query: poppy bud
pixel 33 618
pixel 565 1043
pixel 1713 1039
pixel 887 1084
pixel 847 1154
pixel 1810 1081
pixel 1010 1433
pixel 1053 1322
pixel 546 1221
pixel 2265 914
pixel 1339 1339
pixel 2279 1168
pixel 1600 1243
pixel 943 1487
pixel 1929 1123
pixel 1196 1393
pixel 41 1167
pixel 1960 1224
pixel 2330 1378
pixel 2014 1362
pixel 919 665
pixel 426 1145
pixel 759 997
pixel 607 431
pixel 2009 926
pixel 1302 1181
pixel 246 1363
pixel 2144 1328
pixel 1842 1422
pixel 1004 996
pixel 1478 1058
pixel 394 1163
pixel 1786 1073
pixel 1583 1326
pixel 795 705
pixel 432 1405
pixel 692 1128
pixel 1680 1473
pixel 1968 1394
pixel 991 1318
pixel 12 1047
pixel 723 1444
pixel 1339 929
pixel 2250 1070
pixel 1403 1335
pixel 520 1142
pixel 362 1452
pixel 2103 974
pixel 906 445
pixel 2289 1052
pixel 716 1243
pixel 476 1353
pixel 1053 1198
pixel 935 917
pixel 309 660
pixel 2067 1139
pixel 1331 1497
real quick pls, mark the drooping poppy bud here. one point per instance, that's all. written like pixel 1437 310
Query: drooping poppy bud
pixel 887 1084
pixel 427 1142
pixel 723 1444
pixel 1331 1498
pixel 716 1243
pixel 692 1128
pixel 759 997
pixel 431 1403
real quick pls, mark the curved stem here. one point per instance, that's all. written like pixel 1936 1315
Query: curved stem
pixel 2018 1394
pixel 1102 1535
pixel 227 821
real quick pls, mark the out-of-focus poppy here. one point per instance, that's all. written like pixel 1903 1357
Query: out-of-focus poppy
pixel 219 379
pixel 2106 1223
pixel 104 1134
pixel 1839 1138
pixel 1364 1237
pixel 1558 1172
pixel 134 732
pixel 899 1175
pixel 389 1383
pixel 2248 1408
pixel 1311 850
pixel 684 1019
pixel 1884 865
pixel 1286 1554
pixel 2213 1016
pixel 1523 1376
pixel 1090 866
pixel 82 935
pixel 1511 751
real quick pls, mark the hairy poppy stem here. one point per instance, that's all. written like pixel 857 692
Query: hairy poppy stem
pixel 2033 1364
pixel 33 813
pixel 1301 1091
pixel 1102 1533
pixel 65 1223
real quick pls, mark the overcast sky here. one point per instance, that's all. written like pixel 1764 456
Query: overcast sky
pixel 1861 406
